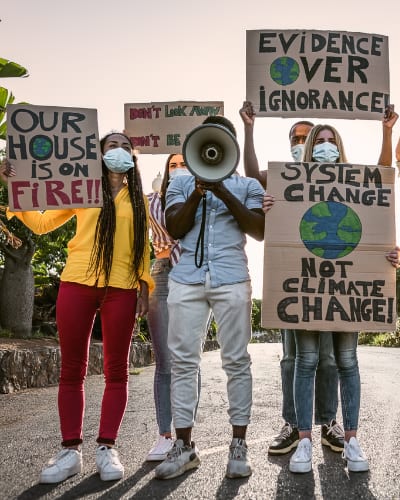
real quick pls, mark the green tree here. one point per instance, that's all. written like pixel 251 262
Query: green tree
pixel 17 283
pixel 8 69
pixel 256 315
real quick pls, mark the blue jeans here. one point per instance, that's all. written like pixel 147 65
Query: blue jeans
pixel 157 318
pixel 326 380
pixel 345 349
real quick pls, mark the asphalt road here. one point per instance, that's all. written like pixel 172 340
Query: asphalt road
pixel 29 436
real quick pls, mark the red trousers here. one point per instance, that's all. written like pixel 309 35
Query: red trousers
pixel 76 310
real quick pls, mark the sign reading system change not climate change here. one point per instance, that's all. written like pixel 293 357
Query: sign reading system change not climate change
pixel 307 73
pixel 325 243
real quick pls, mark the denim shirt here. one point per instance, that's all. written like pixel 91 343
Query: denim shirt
pixel 224 254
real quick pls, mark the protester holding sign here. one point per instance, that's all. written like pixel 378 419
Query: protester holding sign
pixel 107 269
pixel 326 383
pixel 324 145
pixel 167 252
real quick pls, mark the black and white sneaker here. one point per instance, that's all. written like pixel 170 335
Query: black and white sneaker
pixel 285 441
pixel 332 435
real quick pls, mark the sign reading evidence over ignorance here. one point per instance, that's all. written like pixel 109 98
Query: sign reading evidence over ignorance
pixel 325 243
pixel 161 127
pixel 56 154
pixel 329 74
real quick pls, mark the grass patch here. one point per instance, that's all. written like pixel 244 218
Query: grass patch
pixel 5 334
pixel 388 339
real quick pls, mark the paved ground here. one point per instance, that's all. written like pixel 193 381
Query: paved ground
pixel 29 436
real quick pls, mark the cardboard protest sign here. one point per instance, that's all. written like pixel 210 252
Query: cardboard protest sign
pixel 56 154
pixel 161 127
pixel 325 243
pixel 309 73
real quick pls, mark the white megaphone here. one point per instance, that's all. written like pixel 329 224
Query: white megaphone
pixel 211 152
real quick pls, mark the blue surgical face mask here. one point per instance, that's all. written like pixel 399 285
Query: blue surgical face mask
pixel 297 152
pixel 178 172
pixel 118 160
pixel 325 153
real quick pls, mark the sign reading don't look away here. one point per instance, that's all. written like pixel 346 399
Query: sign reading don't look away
pixel 325 243
pixel 309 73
pixel 161 127
pixel 56 155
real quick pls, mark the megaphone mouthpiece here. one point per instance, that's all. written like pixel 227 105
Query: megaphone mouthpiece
pixel 212 153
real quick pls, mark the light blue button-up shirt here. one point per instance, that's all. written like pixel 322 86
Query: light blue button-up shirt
pixel 224 254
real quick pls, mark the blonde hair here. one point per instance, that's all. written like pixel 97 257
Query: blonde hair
pixel 312 137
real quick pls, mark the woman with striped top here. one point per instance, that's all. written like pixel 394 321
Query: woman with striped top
pixel 167 251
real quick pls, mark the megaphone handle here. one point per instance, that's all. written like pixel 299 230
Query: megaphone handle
pixel 200 239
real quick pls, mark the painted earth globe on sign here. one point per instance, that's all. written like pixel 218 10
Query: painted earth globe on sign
pixel 330 230
pixel 284 70
pixel 42 147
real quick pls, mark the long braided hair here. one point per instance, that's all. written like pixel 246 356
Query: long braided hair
pixel 102 254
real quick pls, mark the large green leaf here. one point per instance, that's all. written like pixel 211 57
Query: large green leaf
pixel 3 131
pixel 9 69
pixel 6 97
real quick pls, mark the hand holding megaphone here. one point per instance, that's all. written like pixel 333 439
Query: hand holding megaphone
pixel 217 188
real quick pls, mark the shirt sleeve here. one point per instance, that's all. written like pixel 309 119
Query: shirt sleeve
pixel 42 222
pixel 178 189
pixel 255 194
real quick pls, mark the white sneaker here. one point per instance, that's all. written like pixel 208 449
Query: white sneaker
pixel 238 463
pixel 66 463
pixel 160 449
pixel 108 465
pixel 180 459
pixel 300 461
pixel 353 454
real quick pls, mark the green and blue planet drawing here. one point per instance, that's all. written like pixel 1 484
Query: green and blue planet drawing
pixel 330 230
pixel 284 70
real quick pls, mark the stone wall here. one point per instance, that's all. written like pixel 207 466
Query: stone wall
pixel 29 364
pixel 39 366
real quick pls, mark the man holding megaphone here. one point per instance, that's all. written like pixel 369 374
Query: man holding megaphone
pixel 210 213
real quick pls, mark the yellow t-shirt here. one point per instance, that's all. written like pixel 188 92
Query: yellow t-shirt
pixel 81 245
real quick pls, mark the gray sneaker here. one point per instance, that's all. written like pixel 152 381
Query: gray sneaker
pixel 180 459
pixel 238 463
